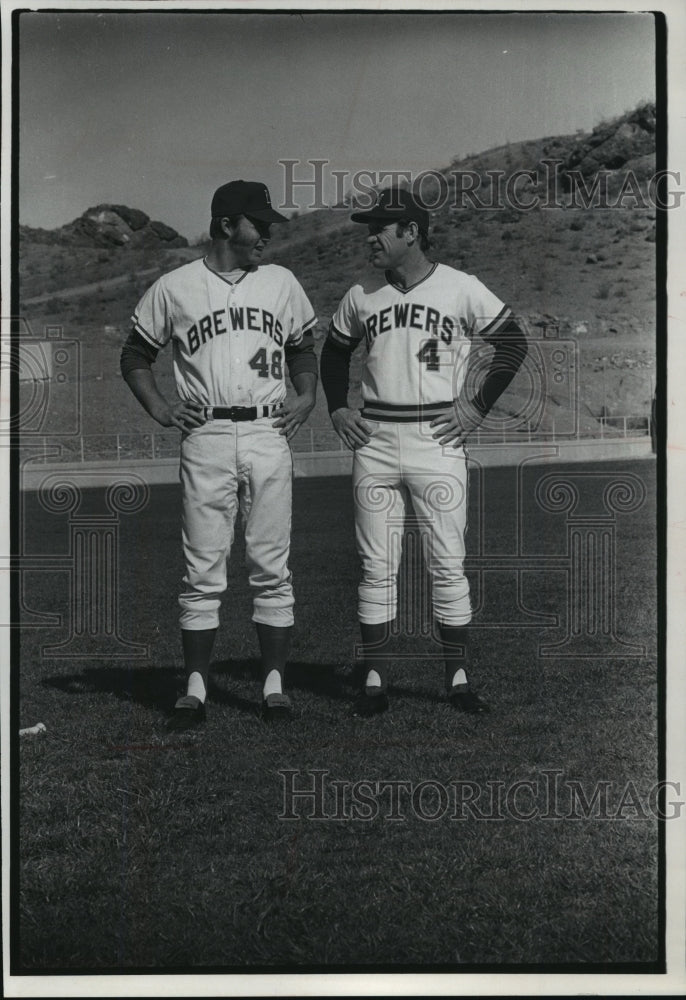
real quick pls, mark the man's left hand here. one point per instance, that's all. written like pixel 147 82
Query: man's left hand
pixel 454 428
pixel 293 414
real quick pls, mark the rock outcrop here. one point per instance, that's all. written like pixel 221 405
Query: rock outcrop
pixel 109 226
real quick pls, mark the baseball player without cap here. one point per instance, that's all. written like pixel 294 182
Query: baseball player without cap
pixel 249 198
pixel 394 204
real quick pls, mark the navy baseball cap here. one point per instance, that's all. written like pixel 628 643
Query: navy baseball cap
pixel 245 198
pixel 394 204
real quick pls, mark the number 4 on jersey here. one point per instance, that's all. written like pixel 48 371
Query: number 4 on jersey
pixel 261 364
pixel 429 356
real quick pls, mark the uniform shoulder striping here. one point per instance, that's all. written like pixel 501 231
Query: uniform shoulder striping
pixel 497 321
pixel 144 334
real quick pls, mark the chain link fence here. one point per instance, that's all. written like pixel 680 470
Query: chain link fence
pixel 155 446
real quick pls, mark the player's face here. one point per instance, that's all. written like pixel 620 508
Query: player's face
pixel 386 249
pixel 249 239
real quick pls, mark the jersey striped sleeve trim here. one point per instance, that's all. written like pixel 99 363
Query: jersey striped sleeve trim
pixel 144 333
pixel 338 337
pixel 297 339
pixel 504 314
pixel 402 413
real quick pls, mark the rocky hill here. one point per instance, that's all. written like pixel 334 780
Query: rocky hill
pixel 627 142
pixel 108 226
pixel 571 269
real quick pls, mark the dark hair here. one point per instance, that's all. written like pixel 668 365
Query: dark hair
pixel 216 231
pixel 424 242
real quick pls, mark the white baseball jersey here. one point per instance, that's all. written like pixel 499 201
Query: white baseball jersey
pixel 228 336
pixel 418 338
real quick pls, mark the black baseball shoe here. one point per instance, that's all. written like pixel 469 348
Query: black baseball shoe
pixel 188 713
pixel 276 706
pixel 371 701
pixel 466 700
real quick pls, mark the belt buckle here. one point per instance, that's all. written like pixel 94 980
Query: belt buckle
pixel 209 414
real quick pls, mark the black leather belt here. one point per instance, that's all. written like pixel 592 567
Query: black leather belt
pixel 238 412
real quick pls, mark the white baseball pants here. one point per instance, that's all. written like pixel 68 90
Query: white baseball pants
pixel 227 466
pixel 403 463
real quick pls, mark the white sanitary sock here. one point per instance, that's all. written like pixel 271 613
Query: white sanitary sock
pixel 459 677
pixel 196 686
pixel 272 685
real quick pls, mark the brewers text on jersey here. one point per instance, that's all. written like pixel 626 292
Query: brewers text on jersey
pixel 417 319
pixel 236 326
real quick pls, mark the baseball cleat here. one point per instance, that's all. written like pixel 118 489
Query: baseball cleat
pixel 371 701
pixel 189 712
pixel 276 706
pixel 465 700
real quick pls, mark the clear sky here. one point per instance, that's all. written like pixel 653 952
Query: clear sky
pixel 156 109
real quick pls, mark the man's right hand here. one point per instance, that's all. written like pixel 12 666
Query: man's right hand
pixel 184 415
pixel 350 427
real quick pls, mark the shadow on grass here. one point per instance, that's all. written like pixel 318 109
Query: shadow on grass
pixel 157 688
pixel 323 679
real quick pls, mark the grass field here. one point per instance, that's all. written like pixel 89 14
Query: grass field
pixel 141 850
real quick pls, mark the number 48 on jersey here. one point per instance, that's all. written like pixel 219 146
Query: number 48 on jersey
pixel 264 365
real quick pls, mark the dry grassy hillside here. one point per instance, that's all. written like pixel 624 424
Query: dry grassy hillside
pixel 586 272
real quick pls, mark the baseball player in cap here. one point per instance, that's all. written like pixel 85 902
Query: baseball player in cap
pixel 417 319
pixel 236 325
